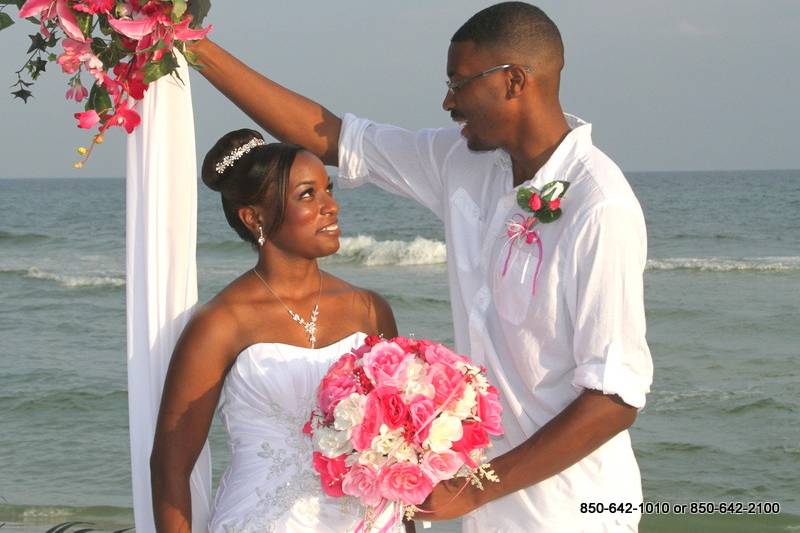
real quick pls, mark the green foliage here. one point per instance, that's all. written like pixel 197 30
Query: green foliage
pixel 85 21
pixel 5 20
pixel 157 69
pixel 199 9
pixel 99 99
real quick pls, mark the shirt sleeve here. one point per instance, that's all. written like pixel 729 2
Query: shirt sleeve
pixel 606 303
pixel 397 160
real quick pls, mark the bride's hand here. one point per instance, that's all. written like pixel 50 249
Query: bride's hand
pixel 449 499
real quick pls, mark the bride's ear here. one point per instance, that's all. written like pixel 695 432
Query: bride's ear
pixel 250 218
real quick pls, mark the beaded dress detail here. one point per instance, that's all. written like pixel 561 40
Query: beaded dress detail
pixel 270 484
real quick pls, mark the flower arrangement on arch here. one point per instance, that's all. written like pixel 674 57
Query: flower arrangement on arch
pixel 396 417
pixel 121 46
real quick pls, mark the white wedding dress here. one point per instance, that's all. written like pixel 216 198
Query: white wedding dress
pixel 270 484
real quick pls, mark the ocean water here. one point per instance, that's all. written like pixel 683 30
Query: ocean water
pixel 722 423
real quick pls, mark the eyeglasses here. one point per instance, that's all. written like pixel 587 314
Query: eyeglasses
pixel 454 86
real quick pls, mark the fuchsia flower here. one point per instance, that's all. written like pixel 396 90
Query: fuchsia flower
pixel 490 411
pixel 447 382
pixel 125 117
pixel 474 437
pixel 88 119
pixel 370 425
pixel 77 91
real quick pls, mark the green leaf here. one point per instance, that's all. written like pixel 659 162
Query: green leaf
pixel 5 21
pixel 199 9
pixel 36 67
pixel 554 190
pixel 37 43
pixel 99 100
pixel 98 46
pixel 105 27
pixel 157 69
pixel 85 21
pixel 523 197
pixel 23 94
pixel 546 216
pixel 178 9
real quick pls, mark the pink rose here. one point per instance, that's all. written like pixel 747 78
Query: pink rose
pixel 332 391
pixel 362 482
pixel 441 466
pixel 370 425
pixel 342 367
pixel 490 410
pixel 474 437
pixel 404 482
pixel 331 473
pixel 535 202
pixel 395 410
pixel 447 382
pixel 554 204
pixel 386 364
pixel 420 412
pixel 372 340
pixel 437 353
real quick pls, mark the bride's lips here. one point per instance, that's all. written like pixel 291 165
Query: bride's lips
pixel 330 229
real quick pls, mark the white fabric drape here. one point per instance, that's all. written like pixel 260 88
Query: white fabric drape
pixel 161 275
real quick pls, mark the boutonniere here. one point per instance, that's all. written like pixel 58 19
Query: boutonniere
pixel 545 204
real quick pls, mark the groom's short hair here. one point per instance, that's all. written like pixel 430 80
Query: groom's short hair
pixel 517 28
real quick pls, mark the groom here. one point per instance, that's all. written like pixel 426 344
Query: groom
pixel 553 310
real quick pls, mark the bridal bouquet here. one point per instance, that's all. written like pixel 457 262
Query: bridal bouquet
pixel 121 45
pixel 395 417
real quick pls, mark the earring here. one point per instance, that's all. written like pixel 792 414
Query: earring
pixel 261 239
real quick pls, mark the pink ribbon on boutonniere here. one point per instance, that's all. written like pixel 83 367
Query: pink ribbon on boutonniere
pixel 520 227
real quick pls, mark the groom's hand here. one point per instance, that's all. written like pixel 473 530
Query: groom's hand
pixel 449 499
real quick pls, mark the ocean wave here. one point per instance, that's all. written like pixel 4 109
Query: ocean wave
pixel 6 236
pixel 724 264
pixel 368 251
pixel 73 282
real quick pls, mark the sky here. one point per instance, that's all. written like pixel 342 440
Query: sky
pixel 675 85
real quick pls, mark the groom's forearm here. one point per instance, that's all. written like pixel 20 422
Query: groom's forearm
pixel 586 424
pixel 286 115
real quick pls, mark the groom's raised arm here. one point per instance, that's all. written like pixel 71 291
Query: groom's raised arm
pixel 286 115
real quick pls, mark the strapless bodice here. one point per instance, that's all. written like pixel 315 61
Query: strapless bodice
pixel 270 484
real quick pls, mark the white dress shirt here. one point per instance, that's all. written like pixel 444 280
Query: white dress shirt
pixel 584 328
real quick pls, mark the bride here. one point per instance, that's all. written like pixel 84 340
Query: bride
pixel 263 343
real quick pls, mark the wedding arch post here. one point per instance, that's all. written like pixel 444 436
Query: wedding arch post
pixel 161 225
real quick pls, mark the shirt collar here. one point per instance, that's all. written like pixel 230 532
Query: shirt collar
pixel 577 141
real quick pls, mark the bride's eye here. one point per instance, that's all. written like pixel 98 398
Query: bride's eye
pixel 307 193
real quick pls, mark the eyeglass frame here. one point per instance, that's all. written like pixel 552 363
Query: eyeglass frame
pixel 455 86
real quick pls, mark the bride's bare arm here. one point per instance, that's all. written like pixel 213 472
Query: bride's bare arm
pixel 286 115
pixel 194 380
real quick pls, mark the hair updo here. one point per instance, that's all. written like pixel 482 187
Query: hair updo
pixel 260 176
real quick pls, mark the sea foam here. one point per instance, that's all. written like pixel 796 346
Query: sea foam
pixel 368 251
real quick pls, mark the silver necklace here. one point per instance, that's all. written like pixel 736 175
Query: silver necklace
pixel 310 325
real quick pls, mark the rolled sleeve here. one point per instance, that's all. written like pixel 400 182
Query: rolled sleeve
pixel 607 304
pixel 403 162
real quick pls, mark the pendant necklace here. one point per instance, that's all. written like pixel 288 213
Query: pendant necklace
pixel 310 325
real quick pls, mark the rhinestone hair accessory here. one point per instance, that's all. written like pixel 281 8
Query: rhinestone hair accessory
pixel 234 156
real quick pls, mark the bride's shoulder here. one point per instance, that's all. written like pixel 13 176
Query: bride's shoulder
pixel 370 308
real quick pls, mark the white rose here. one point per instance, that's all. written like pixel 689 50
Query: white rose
pixel 444 431
pixel 417 382
pixel 371 458
pixel 349 412
pixel 332 443
pixel 464 406
pixel 387 440
pixel 406 454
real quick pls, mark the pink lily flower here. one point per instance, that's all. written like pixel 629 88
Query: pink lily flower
pixel 75 53
pixel 47 9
